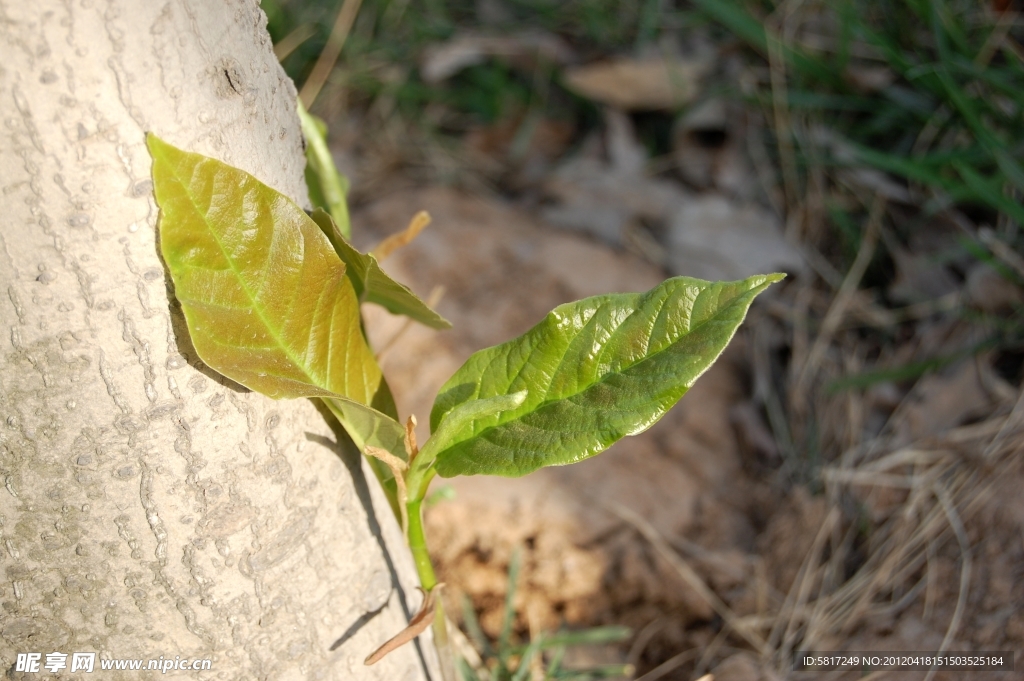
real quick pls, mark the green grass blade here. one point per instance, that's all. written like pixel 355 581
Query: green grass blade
pixel 523 670
pixel 466 671
pixel 585 637
pixel 611 671
pixel 555 664
pixel 752 31
pixel 509 617
pixel 908 371
pixel 988 193
pixel 473 629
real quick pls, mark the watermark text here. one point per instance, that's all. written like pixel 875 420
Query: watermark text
pixel 54 662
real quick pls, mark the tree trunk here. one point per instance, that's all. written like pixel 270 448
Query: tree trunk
pixel 150 508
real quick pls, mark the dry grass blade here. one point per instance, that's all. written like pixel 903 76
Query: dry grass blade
pixel 403 238
pixel 325 63
pixel 777 42
pixel 1001 250
pixel 783 127
pixel 465 649
pixel 670 665
pixel 942 486
pixel 782 639
pixel 834 316
pixel 417 626
pixel 643 639
pixel 293 40
pixel 712 650
pixel 996 38
pixel 965 569
pixel 1010 424
pixel 689 575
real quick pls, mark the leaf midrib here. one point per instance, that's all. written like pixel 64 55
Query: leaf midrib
pixel 544 403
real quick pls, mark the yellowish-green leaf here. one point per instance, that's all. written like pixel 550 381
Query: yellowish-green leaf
pixel 372 284
pixel 264 294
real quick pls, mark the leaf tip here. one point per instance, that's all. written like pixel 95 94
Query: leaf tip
pixel 154 143
pixel 159 149
pixel 758 283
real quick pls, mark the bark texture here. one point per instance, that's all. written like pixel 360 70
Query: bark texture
pixel 147 507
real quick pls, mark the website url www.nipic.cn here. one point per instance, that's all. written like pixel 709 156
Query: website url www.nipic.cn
pixel 90 662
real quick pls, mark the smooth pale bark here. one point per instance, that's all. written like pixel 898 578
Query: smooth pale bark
pixel 148 508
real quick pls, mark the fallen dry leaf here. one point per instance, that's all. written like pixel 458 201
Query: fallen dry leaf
pixel 869 79
pixel 990 291
pixel 605 198
pixel 742 667
pixel 417 625
pixel 947 399
pixel 546 137
pixel 919 276
pixel 639 84
pixel 711 237
pixel 441 61
pixel 707 148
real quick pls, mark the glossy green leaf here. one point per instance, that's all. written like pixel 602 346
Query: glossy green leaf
pixel 451 430
pixel 595 371
pixel 265 296
pixel 372 284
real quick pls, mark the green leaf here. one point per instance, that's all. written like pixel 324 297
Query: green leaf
pixel 372 284
pixel 265 297
pixel 595 370
pixel 367 426
pixel 450 431
pixel 327 187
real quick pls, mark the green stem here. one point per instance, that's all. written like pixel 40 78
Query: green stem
pixel 418 545
pixel 445 654
pixel 428 580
